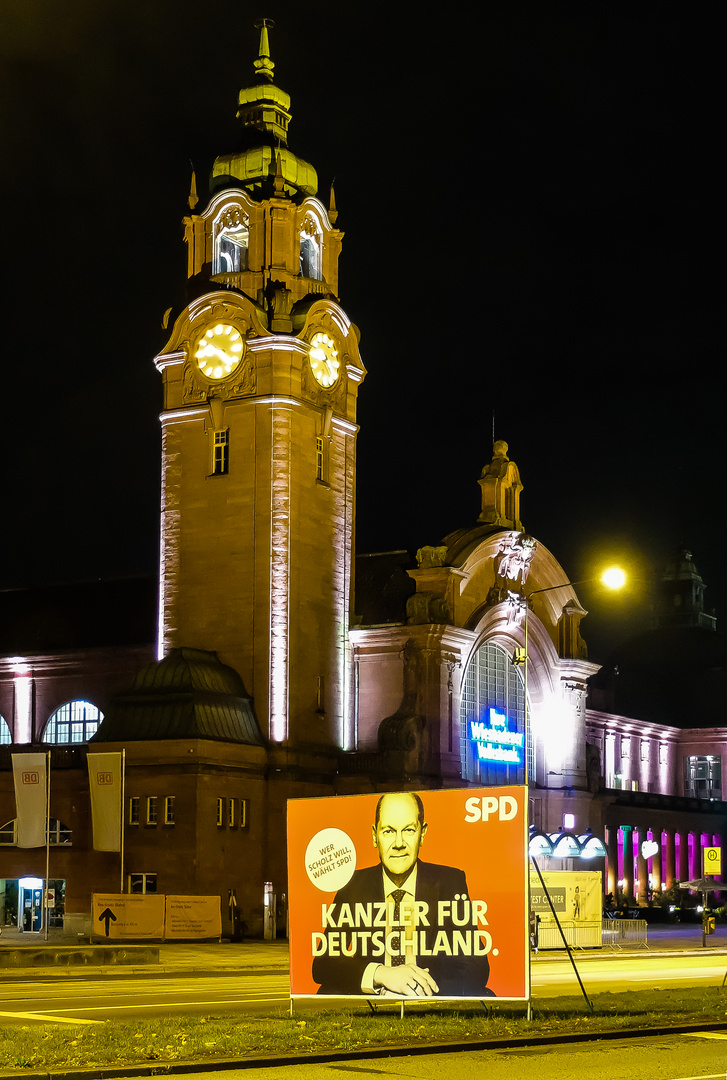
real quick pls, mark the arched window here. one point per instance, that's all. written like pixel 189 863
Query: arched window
pixel 58 833
pixel 492 720
pixel 310 256
pixel 232 240
pixel 5 736
pixel 74 722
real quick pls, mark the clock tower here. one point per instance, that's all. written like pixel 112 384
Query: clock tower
pixel 261 375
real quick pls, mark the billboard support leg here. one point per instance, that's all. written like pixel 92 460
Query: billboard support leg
pixel 530 1009
pixel 401 1016
pixel 567 946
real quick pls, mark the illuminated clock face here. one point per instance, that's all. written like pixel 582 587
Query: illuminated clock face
pixel 324 360
pixel 218 350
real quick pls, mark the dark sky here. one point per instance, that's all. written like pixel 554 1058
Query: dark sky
pixel 529 196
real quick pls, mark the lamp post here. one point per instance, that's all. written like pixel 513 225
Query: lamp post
pixel 612 578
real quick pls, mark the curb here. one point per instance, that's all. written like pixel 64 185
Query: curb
pixel 120 971
pixel 222 1064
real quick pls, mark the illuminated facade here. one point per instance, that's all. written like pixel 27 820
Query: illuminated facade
pixel 268 676
pixel 261 375
pixel 444 680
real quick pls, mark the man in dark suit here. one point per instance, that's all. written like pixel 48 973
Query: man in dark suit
pixel 412 902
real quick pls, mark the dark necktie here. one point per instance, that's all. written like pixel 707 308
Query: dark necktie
pixel 397 896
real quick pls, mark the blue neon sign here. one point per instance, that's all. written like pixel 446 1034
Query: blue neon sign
pixel 495 742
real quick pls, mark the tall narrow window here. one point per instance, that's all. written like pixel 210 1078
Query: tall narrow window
pixel 310 256
pixel 169 810
pixel 703 776
pixel 134 810
pixel 151 810
pixel 231 248
pixel 320 458
pixel 243 813
pixel 231 813
pixel 220 812
pixel 221 452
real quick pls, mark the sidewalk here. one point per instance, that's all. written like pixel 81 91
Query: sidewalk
pixel 273 956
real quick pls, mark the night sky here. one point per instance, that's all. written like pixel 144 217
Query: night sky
pixel 529 196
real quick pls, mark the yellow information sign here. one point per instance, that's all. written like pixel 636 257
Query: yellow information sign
pixel 713 860
pixel 121 915
pixel 193 917
pixel 155 917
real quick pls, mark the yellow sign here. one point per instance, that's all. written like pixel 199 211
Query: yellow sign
pixel 153 917
pixel 193 917
pixel 122 915
pixel 713 860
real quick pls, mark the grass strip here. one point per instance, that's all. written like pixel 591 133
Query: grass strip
pixel 313 1029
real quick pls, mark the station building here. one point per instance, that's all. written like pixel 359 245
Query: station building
pixel 268 661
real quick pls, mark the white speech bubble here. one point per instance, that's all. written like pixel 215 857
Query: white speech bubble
pixel 649 848
pixel 330 860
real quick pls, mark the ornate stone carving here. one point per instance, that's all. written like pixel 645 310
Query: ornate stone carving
pixel 192 385
pixel 195 388
pixel 310 227
pixel 232 218
pixel 571 645
pixel 512 561
pixel 280 306
pixel 512 564
pixel 427 607
pixel 247 382
pixel 333 396
pixel 501 487
pixel 403 730
pixel 593 768
pixel 431 556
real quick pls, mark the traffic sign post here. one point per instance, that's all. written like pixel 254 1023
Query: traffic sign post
pixel 713 861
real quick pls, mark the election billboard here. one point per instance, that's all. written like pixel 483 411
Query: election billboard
pixel 409 895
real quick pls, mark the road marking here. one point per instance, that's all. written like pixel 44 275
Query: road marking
pixel 149 1005
pixel 46 1017
pixel 702 1076
pixel 705 1035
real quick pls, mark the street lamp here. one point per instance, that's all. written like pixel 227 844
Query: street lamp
pixel 565 844
pixel 613 578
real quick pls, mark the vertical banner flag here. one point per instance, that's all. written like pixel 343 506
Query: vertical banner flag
pixel 104 777
pixel 29 775
pixel 410 895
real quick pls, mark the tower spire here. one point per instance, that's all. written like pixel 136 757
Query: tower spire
pixel 264 66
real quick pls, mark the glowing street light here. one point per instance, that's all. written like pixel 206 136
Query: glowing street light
pixel 613 578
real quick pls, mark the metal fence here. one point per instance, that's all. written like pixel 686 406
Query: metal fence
pixel 579 935
pixel 625 933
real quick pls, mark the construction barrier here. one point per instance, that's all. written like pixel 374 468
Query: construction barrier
pixel 579 935
pixel 625 933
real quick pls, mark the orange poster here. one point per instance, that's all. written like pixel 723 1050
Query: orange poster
pixel 409 895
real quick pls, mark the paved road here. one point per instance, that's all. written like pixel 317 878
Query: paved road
pixel 552 978
pixel 673 1057
pixel 103 996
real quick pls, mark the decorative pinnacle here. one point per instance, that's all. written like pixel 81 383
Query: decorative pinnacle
pixel 264 66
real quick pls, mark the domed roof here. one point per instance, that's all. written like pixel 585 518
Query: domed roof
pixel 262 157
pixel 189 694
